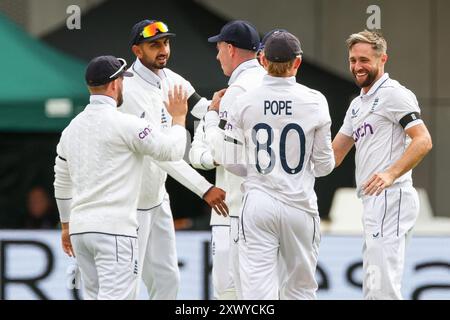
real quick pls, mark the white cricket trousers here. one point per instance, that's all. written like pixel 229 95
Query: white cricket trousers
pixel 158 252
pixel 222 268
pixel 271 230
pixel 387 220
pixel 108 265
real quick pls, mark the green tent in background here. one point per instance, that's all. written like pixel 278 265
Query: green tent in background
pixel 41 89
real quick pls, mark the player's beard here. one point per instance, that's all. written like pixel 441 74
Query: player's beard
pixel 155 64
pixel 370 78
pixel 119 98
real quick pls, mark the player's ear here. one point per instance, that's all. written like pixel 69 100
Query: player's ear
pixel 137 50
pixel 264 61
pixel 384 58
pixel 231 50
pixel 113 85
pixel 297 62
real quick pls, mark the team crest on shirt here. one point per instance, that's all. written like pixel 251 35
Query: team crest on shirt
pixel 375 104
pixel 163 117
pixel 135 269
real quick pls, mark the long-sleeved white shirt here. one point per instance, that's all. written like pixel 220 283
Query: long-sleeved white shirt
pixel 279 138
pixel 208 139
pixel 143 96
pixel 98 167
pixel 374 121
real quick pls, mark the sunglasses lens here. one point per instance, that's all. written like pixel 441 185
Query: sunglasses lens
pixel 153 29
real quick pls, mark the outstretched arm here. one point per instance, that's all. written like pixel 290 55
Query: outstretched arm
pixel 342 144
pixel 191 179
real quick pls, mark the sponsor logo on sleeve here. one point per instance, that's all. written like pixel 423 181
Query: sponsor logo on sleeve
pixel 144 133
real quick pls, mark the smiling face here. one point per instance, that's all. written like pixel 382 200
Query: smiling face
pixel 366 65
pixel 155 54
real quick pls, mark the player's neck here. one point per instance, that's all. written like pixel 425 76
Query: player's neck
pixel 154 70
pixel 367 89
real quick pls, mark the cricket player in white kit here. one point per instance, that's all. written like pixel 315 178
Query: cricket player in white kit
pixel 98 170
pixel 143 96
pixel 237 45
pixel 384 124
pixel 284 130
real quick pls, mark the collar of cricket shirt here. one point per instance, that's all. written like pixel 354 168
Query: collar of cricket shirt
pixel 375 86
pixel 252 63
pixel 102 99
pixel 276 81
pixel 148 75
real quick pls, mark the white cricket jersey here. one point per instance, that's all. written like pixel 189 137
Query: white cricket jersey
pixel 374 121
pixel 143 96
pixel 208 140
pixel 99 166
pixel 285 129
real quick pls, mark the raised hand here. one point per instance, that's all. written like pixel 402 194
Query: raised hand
pixel 177 104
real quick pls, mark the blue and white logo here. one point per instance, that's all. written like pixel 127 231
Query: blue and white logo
pixel 375 104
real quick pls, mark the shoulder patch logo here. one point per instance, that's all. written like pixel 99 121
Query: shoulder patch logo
pixel 144 133
pixel 163 116
pixel 143 115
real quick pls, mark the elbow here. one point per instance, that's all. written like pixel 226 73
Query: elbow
pixel 425 144
pixel 193 159
pixel 324 169
pixel 429 144
pixel 178 149
pixel 175 153
pixel 178 155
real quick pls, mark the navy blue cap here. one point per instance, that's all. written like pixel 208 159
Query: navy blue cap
pixel 136 33
pixel 267 35
pixel 239 33
pixel 104 69
pixel 282 46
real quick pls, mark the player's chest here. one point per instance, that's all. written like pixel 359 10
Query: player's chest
pixel 369 121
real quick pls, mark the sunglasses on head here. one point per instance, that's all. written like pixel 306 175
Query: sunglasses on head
pixel 153 29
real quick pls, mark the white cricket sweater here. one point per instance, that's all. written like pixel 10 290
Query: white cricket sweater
pixel 98 167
